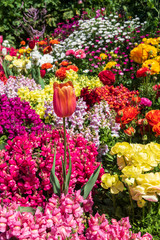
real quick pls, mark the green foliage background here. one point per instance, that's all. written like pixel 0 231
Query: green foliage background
pixel 11 12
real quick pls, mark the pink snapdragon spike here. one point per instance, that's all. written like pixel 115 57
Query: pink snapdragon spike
pixel 1 39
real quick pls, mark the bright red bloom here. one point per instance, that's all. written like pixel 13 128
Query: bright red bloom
pixel 142 72
pixel 43 72
pixel 46 66
pixel 153 117
pixel 107 77
pixel 73 67
pixel 32 44
pixel 64 99
pixel 47 49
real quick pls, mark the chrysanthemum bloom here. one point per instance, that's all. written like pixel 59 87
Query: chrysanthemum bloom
pixel 46 66
pixel 54 41
pixel 156 129
pixel 64 99
pixel 61 73
pixel 153 117
pixel 139 54
pixel 142 72
pixel 47 49
pixel 153 65
pixel 107 77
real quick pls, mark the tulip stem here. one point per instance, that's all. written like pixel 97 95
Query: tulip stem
pixel 65 161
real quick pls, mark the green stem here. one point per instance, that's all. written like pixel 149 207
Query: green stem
pixel 114 203
pixel 131 202
pixel 65 160
pixel 143 215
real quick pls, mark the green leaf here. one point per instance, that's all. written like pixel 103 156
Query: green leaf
pixel 40 80
pixel 68 174
pixel 53 178
pixel 26 209
pixel 89 185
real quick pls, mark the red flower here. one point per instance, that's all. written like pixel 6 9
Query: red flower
pixel 47 49
pixel 130 131
pixel 43 72
pixel 61 73
pixel 153 117
pixel 129 113
pixel 32 44
pixel 142 72
pixel 107 77
pixel 46 66
pixel 73 67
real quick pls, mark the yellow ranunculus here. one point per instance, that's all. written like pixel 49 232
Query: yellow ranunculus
pixel 139 54
pixel 131 171
pixel 8 58
pixel 153 65
pixel 22 50
pixel 109 65
pixel 112 182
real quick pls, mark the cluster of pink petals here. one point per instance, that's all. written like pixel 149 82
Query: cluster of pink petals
pixel 78 53
pixel 63 218
pixel 26 165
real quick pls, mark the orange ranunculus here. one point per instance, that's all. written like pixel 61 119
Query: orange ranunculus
pixel 54 41
pixel 47 49
pixel 130 131
pixel 61 73
pixel 73 67
pixel 46 66
pixel 64 99
pixel 64 63
pixel 23 43
pixel 153 117
pixel 41 43
pixel 127 115
pixel 156 129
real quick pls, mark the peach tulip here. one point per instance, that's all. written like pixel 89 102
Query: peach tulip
pixel 64 99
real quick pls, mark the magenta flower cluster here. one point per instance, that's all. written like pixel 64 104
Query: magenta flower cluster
pixel 145 102
pixel 26 165
pixel 17 117
pixel 63 218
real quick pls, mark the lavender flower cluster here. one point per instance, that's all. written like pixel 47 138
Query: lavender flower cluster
pixel 14 83
pixel 86 123
pixel 17 117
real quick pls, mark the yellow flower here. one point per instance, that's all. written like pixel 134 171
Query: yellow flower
pixel 153 65
pixel 109 65
pixel 8 58
pixel 139 54
pixel 22 50
pixel 131 171
pixel 18 63
pixel 103 56
pixel 112 182
pixel 141 203
pixel 152 51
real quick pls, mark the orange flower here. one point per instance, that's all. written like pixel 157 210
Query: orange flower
pixel 61 73
pixel 128 114
pixel 64 64
pixel 136 99
pixel 153 117
pixel 23 43
pixel 41 43
pixel 47 49
pixel 139 54
pixel 156 129
pixel 54 41
pixel 64 99
pixel 73 67
pixel 130 131
pixel 46 66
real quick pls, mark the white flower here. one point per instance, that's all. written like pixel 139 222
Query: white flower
pixel 28 65
pixel 4 51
